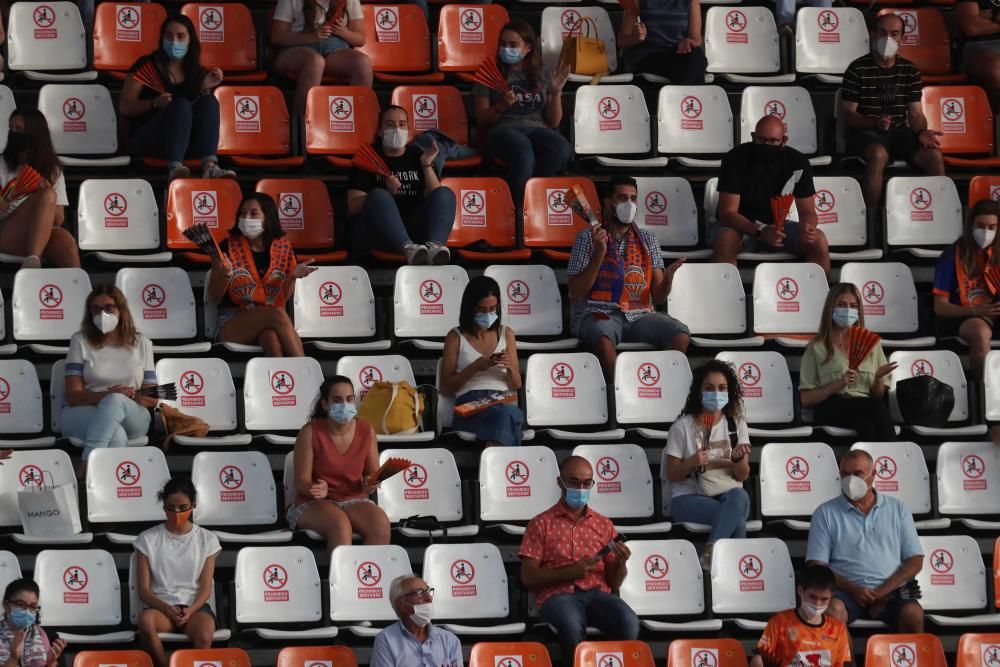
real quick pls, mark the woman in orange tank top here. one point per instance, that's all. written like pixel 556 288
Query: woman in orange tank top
pixel 335 453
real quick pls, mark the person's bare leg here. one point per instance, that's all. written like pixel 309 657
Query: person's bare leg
pixel 876 158
pixel 352 65
pixel 817 252
pixel 607 355
pixel 306 67
pixel 371 522
pixel 291 344
pixel 728 243
pixel 27 230
pixel 152 622
pixel 985 70
pixel 247 326
pixel 978 334
pixel 200 630
pixel 930 161
pixel 61 250
pixel 270 343
pixel 328 520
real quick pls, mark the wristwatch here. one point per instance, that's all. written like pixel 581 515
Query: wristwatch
pixel 760 229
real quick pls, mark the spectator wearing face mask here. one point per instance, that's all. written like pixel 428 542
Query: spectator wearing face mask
pixel 413 641
pixel 408 212
pixel 870 542
pixel 616 280
pixel 23 642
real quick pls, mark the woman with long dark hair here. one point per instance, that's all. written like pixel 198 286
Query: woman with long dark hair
pixel 184 119
pixel 480 358
pixel 31 227
pixel 23 642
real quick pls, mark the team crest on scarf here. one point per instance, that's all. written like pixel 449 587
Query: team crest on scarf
pixel 972 289
pixel 625 276
pixel 246 288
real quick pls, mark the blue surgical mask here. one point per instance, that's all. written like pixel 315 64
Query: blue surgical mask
pixel 713 401
pixel 576 498
pixel 174 50
pixel 510 55
pixel 343 412
pixel 845 317
pixel 485 320
pixel 22 619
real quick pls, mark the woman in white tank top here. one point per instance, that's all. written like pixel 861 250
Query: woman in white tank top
pixel 480 358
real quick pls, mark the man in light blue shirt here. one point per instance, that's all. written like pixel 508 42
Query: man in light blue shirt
pixel 412 641
pixel 870 542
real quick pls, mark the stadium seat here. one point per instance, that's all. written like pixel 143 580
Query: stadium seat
pixel 706 652
pixel 5 348
pixel 742 45
pixel 624 488
pixel 21 404
pixel 686 302
pixel 953 579
pixel 710 206
pixel 889 300
pixel 665 580
pixel 991 378
pixel 509 654
pixel 568 390
pixel 122 487
pixel 768 393
pixel 119 214
pixel 57 390
pixel 532 305
pixel 236 489
pixel 398 43
pixel 604 653
pixel 7 106
pixel 446 415
pixel 922 211
pixel 205 390
pixel 612 121
pixel 515 484
pixel 48 306
pixel 827 40
pixel 549 223
pixel 484 216
pixel 894 650
pixel 305 213
pixel 794 106
pixel 667 209
pixel 651 387
pixel 978 650
pixel 694 120
pixel 80 589
pixel 558 23
pixel 254 128
pixel 926 43
pixel 213 202
pixel 228 39
pixel 359 585
pixel 162 304
pixel 440 107
pixel 278 395
pixel 210 657
pixel 751 576
pixel 473 586
pixel 787 299
pixel 901 471
pixel 279 585
pixel 946 367
pixel 45 40
pixel 984 186
pixel 364 371
pixel 795 479
pixel 83 124
pixel 124 32
pixel 666 502
pixel 335 306
pixel 968 482
pixel 962 114
pixel 430 486
pixel 467 36
pixel 316 656
pixel 26 468
pixel 288 486
pixel 338 120
pixel 426 300
pixel 842 216
pixel 133 658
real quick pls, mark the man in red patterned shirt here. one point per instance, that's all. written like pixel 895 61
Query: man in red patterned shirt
pixel 571 560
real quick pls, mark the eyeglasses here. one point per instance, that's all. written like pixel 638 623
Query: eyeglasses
pixel 578 483
pixel 421 593
pixel 24 606
pixel 176 510
pixel 110 309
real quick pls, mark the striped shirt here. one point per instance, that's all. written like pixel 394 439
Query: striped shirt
pixel 882 90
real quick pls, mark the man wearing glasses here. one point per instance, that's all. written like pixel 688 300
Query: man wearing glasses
pixel 412 641
pixel 572 558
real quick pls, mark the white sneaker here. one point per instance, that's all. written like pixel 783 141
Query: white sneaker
pixel 439 254
pixel 179 171
pixel 416 254
pixel 215 171
pixel 31 262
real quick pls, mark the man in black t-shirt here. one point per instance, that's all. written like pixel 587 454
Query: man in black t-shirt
pixel 979 23
pixel 751 175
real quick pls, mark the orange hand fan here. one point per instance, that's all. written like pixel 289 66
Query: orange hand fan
pixel 335 13
pixel 780 206
pixel 860 342
pixel 201 236
pixel 578 202
pixel 26 182
pixel 149 76
pixel 392 466
pixel 368 160
pixel 630 6
pixel 488 74
pixel 992 275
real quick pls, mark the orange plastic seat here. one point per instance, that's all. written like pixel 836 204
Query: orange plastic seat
pixel 306 214
pixel 228 39
pixel 976 650
pixel 996 573
pixel 212 201
pixel 98 658
pixel 484 211
pixel 437 106
pixel 123 33
pixel 613 654
pixel 963 114
pixel 299 656
pixel 549 223
pixel 984 187
pixel 338 120
pixel 228 657
pixel 918 650
pixel 397 40
pixel 467 35
pixel 254 127
pixel 927 44
pixel 717 652
pixel 508 654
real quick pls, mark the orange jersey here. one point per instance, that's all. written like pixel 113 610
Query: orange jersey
pixel 790 642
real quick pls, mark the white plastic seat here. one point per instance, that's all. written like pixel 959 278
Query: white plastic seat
pixel 205 390
pixel 10 569
pixel 923 214
pixel 472 584
pixel 5 348
pixel 364 371
pixel 83 124
pixel 568 390
pixel 122 487
pixel 668 210
pixel 954 579
pixel 795 479
pixel 650 387
pixel 946 367
pixel 968 482
pixel 532 305
pixel 557 22
pixel 278 395
pixel 788 299
pixel 768 394
pixel 162 304
pixel 515 484
pixel 359 585
pixel 80 588
pixel 119 214
pixel 624 486
pixel 827 40
pixel 21 405
pixel 47 38
pixel 710 205
pixel 901 471
pixel 48 306
pixel 7 106
pixel 426 300
pixel 613 120
pixel 57 393
pixel 27 468
pixel 666 502
pixel 694 120
pixel 430 486
pixel 889 300
pixel 446 415
pixel 742 45
pixel 751 576
pixel 842 217
pixel 692 283
pixel 337 302
pixel 991 378
pixel 794 106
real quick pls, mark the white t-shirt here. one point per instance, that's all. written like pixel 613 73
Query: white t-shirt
pixel 685 439
pixel 290 11
pixel 7 175
pixel 109 366
pixel 176 561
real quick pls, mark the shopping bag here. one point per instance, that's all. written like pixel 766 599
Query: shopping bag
pixel 49 510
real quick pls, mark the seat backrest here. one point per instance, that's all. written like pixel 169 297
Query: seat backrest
pixel 396 38
pixel 430 486
pixel 253 121
pixel 426 299
pixel 752 576
pixel 48 303
pixel 340 118
pixel 119 214
pixel 234 489
pixel 27 468
pixel 227 35
pixel 991 378
pixel 796 478
pixel 650 386
pixel 953 576
pixel 667 209
pixel 121 658
pixel 725 652
pixel 624 484
pixel 532 304
pixel 962 114
pixel 124 32
pixel 79 587
pixel 792 104
pixel 565 389
pixel 359 581
pixel 665 579
pixel 923 650
pixel 630 653
pixel 968 479
pixel 468 35
pixel 984 186
pixel 123 483
pixel 840 210
pixel 335 302
pixel 687 298
pixel 901 471
pixel 278 394
pixel 549 222
pixel 211 202
pixel 205 389
pixel 741 40
pixel 788 297
pixel 210 657
pixel 316 656
pixel 922 211
pixel 20 398
pixel 925 42
pixel 305 211
pixel 766 385
pixel 978 650
pixel 558 23
pixel 81 117
pixel 430 107
pixel 472 581
pixel 609 119
pixel 277 585
pixel 828 39
pixel 161 301
pixel 57 393
pixel 509 654
pixel 7 106
pixel 941 364
pixel 485 212
pixel 693 119
pixel 364 371
pixel 10 569
pixel 888 295
pixel 46 36
pixel 515 483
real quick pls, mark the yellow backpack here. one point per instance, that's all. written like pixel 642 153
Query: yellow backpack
pixel 393 407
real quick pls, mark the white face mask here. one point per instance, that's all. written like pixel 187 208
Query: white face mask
pixel 422 613
pixel 395 138
pixel 984 237
pixel 809 610
pixel 251 227
pixel 886 47
pixel 853 487
pixel 106 322
pixel 625 212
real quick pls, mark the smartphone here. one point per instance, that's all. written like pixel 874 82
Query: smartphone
pixel 606 549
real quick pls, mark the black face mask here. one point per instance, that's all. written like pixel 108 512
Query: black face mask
pixel 766 151
pixel 17 142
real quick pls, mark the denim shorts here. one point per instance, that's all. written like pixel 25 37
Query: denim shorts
pixel 653 328
pixel 295 512
pixel 973 48
pixel 331 44
pixel 890 615
pixel 754 244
